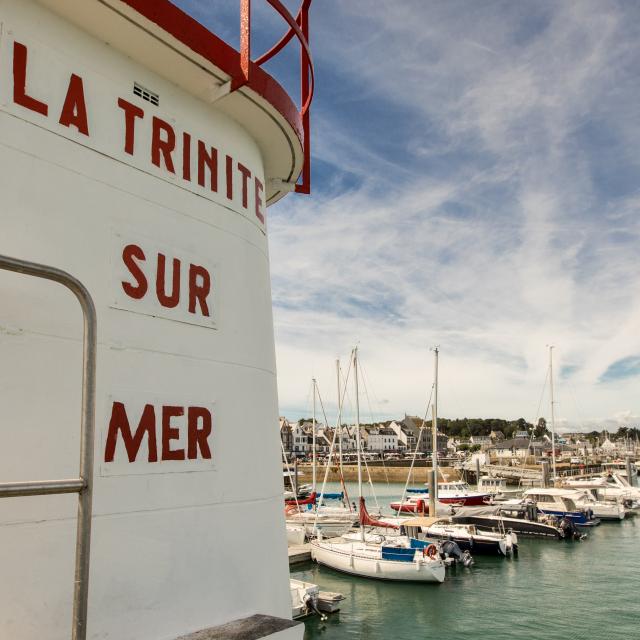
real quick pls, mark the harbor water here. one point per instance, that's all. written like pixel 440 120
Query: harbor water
pixel 553 589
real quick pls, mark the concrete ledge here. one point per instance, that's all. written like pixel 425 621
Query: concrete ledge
pixel 299 553
pixel 251 628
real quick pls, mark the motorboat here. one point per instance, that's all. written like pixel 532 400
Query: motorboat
pixel 459 493
pixel 467 536
pixel 619 467
pixel 561 503
pixel 304 598
pixel 619 479
pixel 522 519
pixel 608 488
pixel 603 510
pixel 496 488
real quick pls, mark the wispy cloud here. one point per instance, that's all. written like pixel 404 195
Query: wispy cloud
pixel 475 185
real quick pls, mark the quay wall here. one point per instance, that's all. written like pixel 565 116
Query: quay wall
pixel 379 473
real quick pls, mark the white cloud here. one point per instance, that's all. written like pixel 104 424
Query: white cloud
pixel 476 188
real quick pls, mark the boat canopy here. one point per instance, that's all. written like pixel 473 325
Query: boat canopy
pixel 421 522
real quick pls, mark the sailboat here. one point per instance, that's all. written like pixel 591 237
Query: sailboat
pixel 401 559
pixel 311 513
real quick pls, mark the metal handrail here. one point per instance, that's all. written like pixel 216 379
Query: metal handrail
pixel 83 485
pixel 298 26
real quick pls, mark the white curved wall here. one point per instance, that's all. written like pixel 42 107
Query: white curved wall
pixel 178 545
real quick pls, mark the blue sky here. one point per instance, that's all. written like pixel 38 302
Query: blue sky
pixel 476 184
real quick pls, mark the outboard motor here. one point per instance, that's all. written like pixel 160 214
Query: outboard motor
pixel 450 549
pixel 311 604
pixel 569 531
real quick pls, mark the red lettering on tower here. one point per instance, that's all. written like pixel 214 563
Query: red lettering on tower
pixel 195 433
pixel 229 168
pixel 198 438
pixel 20 95
pixel 137 291
pixel 199 290
pixel 246 174
pixel 74 109
pixel 119 423
pixel 131 112
pixel 258 190
pixel 186 156
pixel 170 433
pixel 162 146
pixel 210 161
pixel 172 300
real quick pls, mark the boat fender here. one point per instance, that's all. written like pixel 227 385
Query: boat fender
pixel 430 551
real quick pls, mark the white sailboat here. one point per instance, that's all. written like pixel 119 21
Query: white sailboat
pixel 320 518
pixel 390 560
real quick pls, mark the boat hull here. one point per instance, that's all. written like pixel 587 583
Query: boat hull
pixel 578 518
pixel 357 564
pixel 463 501
pixel 519 526
pixel 474 545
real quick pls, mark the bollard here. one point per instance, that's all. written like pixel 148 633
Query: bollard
pixel 432 493
pixel 545 473
pixel 630 479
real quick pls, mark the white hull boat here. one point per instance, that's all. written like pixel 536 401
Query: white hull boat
pixel 295 534
pixel 603 510
pixel 329 525
pixel 371 561
pixel 304 598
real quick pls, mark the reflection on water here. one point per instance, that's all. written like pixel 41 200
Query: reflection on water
pixel 552 590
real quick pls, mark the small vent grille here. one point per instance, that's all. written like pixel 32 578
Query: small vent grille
pixel 145 94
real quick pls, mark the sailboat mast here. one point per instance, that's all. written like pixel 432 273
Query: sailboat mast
pixel 553 415
pixel 355 373
pixel 314 435
pixel 339 425
pixel 434 429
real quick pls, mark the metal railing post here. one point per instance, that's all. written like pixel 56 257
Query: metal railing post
pixel 83 485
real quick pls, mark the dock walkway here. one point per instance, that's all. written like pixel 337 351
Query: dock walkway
pixel 299 553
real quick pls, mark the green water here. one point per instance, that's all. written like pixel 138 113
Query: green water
pixel 552 590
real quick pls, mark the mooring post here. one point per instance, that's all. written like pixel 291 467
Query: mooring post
pixel 545 473
pixel 477 470
pixel 432 493
pixel 630 479
pixel 295 476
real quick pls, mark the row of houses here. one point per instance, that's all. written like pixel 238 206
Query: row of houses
pixel 565 447
pixel 401 436
pixel 389 437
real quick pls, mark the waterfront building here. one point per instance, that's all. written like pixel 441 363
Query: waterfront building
pixel 483 441
pixel 379 439
pixel 413 424
pixel 286 435
pixel 406 439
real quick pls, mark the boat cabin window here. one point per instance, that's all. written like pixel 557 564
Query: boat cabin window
pixel 541 497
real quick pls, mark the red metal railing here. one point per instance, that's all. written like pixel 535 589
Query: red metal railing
pixel 298 27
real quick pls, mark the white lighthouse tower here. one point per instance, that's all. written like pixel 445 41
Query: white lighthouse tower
pixel 138 156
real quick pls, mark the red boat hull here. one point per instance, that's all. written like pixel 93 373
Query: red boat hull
pixel 467 501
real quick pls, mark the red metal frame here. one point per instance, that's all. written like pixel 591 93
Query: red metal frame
pixel 240 67
pixel 299 27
